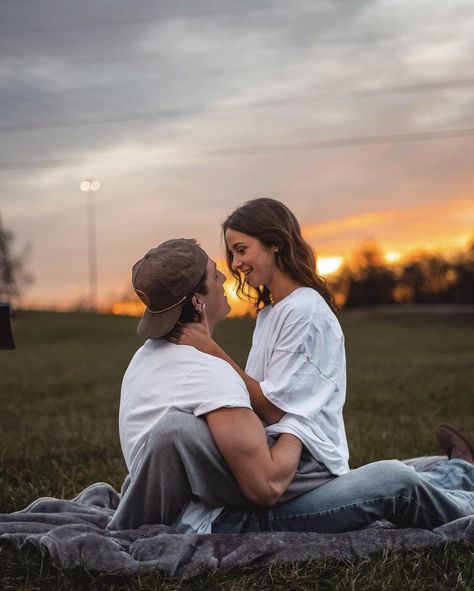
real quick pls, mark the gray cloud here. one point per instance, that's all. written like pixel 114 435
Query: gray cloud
pixel 137 94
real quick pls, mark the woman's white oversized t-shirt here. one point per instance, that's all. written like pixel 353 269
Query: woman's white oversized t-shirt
pixel 298 358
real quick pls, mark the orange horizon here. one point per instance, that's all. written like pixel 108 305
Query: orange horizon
pixel 445 228
pixel 328 266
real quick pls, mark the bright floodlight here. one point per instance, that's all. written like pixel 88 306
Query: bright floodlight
pixel 90 185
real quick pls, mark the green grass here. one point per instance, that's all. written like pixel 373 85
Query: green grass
pixel 406 374
pixel 59 396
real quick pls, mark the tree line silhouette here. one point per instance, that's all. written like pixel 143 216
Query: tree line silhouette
pixel 425 278
pixel 366 281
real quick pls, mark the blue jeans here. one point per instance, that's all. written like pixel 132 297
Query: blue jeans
pixel 382 490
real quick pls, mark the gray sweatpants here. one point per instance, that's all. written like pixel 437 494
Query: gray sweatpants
pixel 181 461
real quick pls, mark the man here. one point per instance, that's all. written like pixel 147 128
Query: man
pixel 179 477
pixel 176 281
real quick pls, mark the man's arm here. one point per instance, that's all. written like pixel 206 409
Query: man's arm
pixel 262 473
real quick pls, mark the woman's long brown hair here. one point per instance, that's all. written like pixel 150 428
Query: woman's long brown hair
pixel 271 222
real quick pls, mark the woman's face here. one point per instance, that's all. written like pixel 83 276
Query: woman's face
pixel 251 257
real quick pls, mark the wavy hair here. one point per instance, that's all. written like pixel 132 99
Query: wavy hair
pixel 271 222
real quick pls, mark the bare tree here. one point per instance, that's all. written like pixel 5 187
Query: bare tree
pixel 12 273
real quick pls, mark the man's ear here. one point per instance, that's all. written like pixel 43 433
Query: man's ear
pixel 197 303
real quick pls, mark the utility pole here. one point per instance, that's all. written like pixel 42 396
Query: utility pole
pixel 91 186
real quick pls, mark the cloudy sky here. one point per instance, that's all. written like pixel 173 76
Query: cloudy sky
pixel 359 115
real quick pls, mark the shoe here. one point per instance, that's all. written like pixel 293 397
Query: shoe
pixel 454 444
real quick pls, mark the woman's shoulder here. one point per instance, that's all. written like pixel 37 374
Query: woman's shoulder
pixel 303 301
pixel 306 305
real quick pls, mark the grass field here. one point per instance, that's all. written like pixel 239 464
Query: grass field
pixel 59 396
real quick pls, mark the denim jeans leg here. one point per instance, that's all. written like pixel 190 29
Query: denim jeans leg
pixel 237 521
pixel 381 490
pixel 456 474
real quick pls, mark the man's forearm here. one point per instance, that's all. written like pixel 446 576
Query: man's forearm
pixel 262 473
pixel 285 453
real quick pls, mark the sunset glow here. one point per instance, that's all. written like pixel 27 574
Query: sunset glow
pixel 392 257
pixel 326 266
pixel 443 227
pixel 329 265
pixel 134 308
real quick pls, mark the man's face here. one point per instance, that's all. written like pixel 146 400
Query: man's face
pixel 217 307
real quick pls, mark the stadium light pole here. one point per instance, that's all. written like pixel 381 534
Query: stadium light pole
pixel 91 186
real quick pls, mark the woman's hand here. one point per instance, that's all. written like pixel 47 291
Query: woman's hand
pixel 196 334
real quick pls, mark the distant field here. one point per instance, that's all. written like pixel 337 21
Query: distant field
pixel 59 396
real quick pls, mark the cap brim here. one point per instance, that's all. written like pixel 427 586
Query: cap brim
pixel 156 326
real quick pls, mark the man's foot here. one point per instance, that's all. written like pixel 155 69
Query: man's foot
pixel 454 444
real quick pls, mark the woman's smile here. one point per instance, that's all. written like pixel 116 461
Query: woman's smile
pixel 251 257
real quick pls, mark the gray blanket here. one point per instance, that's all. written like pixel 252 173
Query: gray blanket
pixel 74 533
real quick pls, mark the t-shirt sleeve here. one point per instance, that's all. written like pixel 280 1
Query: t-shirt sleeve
pixel 294 381
pixel 214 385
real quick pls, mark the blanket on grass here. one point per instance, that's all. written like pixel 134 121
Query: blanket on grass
pixel 74 533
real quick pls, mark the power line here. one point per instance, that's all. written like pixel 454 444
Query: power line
pixel 158 78
pixel 270 103
pixel 348 142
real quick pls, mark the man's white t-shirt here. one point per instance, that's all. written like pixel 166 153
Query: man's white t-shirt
pixel 164 376
pixel 298 358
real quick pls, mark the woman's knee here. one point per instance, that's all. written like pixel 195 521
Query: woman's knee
pixel 395 475
pixel 387 475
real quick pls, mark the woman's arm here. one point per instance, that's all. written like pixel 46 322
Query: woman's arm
pixel 262 473
pixel 265 409
pixel 198 335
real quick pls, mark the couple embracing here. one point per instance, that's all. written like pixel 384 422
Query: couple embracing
pixel 211 447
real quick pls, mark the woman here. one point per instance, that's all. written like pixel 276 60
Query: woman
pixel 295 374
pixel 296 369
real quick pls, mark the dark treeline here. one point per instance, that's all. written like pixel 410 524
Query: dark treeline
pixel 427 278
pixel 13 276
pixel 367 281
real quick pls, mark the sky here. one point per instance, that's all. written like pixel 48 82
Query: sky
pixel 359 115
